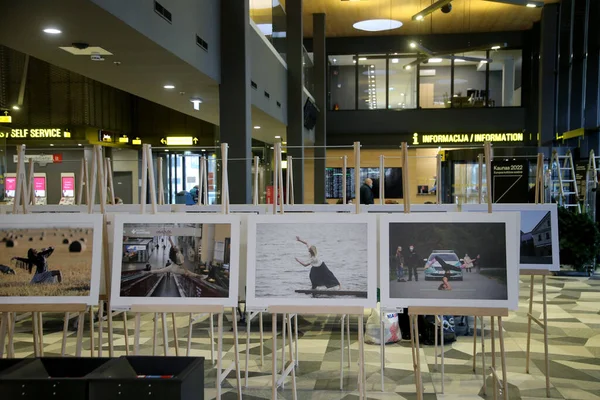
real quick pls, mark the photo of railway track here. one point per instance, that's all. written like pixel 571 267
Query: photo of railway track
pixel 175 260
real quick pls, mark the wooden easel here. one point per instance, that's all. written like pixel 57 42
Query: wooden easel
pixel 543 323
pixel 8 319
pixel 84 182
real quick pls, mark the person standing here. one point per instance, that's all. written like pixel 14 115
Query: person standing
pixel 400 265
pixel 413 263
pixel 476 264
pixel 468 263
pixel 366 192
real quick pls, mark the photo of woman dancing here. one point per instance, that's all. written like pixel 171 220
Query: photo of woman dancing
pixel 175 262
pixel 320 275
pixel 39 260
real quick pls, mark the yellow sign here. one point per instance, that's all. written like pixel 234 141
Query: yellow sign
pixel 137 141
pixel 466 138
pixel 179 141
pixel 5 117
pixel 52 133
pixel 123 139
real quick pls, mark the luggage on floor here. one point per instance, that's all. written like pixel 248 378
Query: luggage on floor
pixel 427 330
pixel 391 330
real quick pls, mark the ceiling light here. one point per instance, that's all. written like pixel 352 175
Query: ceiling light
pixel 334 60
pixel 16 108
pixel 531 5
pixel 459 60
pixel 367 100
pixel 413 45
pixel 407 66
pixel 401 94
pixel 495 47
pixel 166 150
pixel 277 137
pixel 256 127
pixel 203 150
pixel 391 88
pixel 354 61
pixel 372 66
pixel 376 25
pixel 169 87
pixel 79 144
pixel 484 61
pixel 399 104
pixel 418 17
pixel 52 31
pixel 51 145
pixel 395 61
pixel 196 103
pixel 435 60
pixel 362 58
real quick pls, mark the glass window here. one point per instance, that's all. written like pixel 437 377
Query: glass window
pixel 402 82
pixel 434 83
pixel 269 17
pixel 342 82
pixel 505 78
pixel 469 79
pixel 372 82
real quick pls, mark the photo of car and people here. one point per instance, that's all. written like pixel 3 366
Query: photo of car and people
pixel 175 260
pixel 448 261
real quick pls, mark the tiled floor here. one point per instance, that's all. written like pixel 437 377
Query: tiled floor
pixel 574 339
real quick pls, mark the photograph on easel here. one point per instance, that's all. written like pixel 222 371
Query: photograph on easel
pixel 311 259
pixel 159 260
pixel 458 258
pixel 49 258
pixel 539 244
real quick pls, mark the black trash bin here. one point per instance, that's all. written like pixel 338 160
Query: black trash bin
pixel 148 377
pixel 49 378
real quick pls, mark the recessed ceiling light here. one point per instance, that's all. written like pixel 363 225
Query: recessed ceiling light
pixel 169 87
pixel 203 150
pixel 407 67
pixel 401 94
pixel 495 47
pixel 413 45
pixel 51 145
pixel 419 17
pixel 399 104
pixel 484 61
pixel 79 144
pixel 166 150
pixel 531 5
pixel 435 60
pixel 196 103
pixel 376 25
pixel 367 100
pixel 459 60
pixel 372 66
pixel 52 31
pixel 391 88
pixel 354 61
pixel 277 137
pixel 16 108
pixel 256 127
pixel 395 61
pixel 334 60
pixel 362 58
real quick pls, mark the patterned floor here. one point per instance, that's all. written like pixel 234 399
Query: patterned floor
pixel 574 339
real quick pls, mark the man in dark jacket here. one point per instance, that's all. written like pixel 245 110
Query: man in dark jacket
pixel 366 192
pixel 413 262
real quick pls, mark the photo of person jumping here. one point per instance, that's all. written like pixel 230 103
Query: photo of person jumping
pixel 39 260
pixel 320 275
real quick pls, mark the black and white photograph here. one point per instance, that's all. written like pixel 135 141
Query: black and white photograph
pixel 174 261
pixel 538 233
pixel 454 258
pixel 310 260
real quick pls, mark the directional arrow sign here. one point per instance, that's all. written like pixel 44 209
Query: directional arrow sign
pixel 195 140
pixel 5 117
pixel 163 141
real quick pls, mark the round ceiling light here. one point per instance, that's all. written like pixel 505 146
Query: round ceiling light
pixel 376 25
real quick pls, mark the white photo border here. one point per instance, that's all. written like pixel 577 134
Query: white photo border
pixel 511 221
pixel 263 303
pixel 56 220
pixel 552 208
pixel 175 218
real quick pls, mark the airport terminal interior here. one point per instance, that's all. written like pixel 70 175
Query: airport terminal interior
pixel 199 108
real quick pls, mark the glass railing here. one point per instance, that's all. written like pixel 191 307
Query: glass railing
pixel 269 16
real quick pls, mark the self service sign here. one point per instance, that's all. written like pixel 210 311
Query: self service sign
pixel 36 134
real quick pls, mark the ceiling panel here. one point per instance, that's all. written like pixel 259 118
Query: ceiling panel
pixel 466 16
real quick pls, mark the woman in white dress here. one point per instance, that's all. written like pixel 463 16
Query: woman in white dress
pixel 319 275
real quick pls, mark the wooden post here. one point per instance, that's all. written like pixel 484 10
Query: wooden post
pixel 275 178
pixel 256 181
pixel 31 194
pixel 201 183
pixel 381 179
pixel 344 179
pixel 280 172
pixel 290 177
pixel 109 179
pixel 488 173
pixel 438 183
pixel 357 182
pixel 480 178
pixel 161 186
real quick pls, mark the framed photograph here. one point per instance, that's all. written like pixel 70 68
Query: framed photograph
pixel 50 258
pixel 312 259
pixel 175 259
pixel 449 259
pixel 416 208
pixel 538 233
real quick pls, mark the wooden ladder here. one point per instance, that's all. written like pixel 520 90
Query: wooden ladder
pixel 565 192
